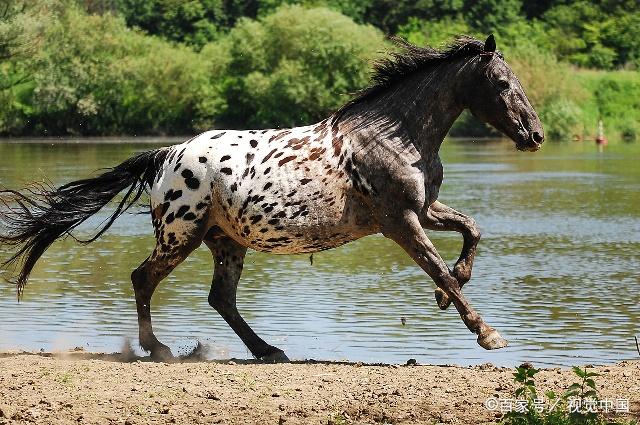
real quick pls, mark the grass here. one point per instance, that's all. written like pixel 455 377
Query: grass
pixel 614 97
pixel 578 405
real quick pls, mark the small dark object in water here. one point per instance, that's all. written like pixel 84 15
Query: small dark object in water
pixel 403 320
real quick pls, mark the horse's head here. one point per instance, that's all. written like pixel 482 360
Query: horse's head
pixel 497 98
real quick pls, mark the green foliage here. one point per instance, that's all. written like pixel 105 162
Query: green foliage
pixel 434 32
pixel 194 22
pixel 613 97
pixel 21 25
pixel 168 66
pixel 490 15
pixel 294 66
pixel 557 411
pixel 593 35
pixel 561 118
pixel 95 76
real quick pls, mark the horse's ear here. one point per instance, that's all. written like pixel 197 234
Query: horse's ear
pixel 490 44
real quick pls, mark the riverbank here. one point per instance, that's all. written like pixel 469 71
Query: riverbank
pixel 97 389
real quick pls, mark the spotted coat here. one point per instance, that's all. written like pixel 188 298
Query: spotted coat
pixel 282 191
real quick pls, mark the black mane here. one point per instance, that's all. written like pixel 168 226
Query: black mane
pixel 410 59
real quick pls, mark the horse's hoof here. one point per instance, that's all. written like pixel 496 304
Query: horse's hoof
pixel 491 340
pixel 162 354
pixel 275 357
pixel 442 299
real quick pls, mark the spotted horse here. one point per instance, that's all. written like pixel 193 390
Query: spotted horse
pixel 371 167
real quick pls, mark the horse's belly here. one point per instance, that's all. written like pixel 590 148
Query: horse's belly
pixel 323 219
pixel 290 233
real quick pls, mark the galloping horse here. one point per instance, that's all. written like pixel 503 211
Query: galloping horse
pixel 371 167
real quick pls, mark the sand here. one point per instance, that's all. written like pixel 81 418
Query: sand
pixel 84 388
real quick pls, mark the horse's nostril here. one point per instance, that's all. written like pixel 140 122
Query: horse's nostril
pixel 537 137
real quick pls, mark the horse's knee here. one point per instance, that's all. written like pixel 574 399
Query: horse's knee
pixel 474 230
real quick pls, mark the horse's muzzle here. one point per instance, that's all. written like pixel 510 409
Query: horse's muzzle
pixel 531 142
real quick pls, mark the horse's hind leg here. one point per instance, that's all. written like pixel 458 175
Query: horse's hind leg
pixel 441 217
pixel 229 260
pixel 407 232
pixel 165 257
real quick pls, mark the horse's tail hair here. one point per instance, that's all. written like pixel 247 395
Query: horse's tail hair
pixel 32 219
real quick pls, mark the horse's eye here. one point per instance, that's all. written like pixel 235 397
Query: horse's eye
pixel 503 85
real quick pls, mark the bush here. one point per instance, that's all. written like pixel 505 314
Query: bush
pixel 94 76
pixel 432 32
pixel 613 97
pixel 294 67
pixel 561 119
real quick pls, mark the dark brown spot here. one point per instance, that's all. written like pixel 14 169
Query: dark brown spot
pixel 224 158
pixel 337 146
pixel 253 143
pixel 266 158
pixel 202 159
pixel 286 159
pixel 226 170
pixel 305 181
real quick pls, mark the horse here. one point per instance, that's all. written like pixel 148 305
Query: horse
pixel 371 167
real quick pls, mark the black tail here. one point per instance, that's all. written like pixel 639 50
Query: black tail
pixel 33 219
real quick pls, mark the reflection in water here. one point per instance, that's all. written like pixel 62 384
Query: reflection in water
pixel 557 270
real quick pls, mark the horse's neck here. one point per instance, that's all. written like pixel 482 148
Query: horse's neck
pixel 418 111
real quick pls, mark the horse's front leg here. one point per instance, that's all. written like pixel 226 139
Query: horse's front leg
pixel 439 216
pixel 406 230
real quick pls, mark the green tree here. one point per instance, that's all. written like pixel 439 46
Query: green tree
pixel 194 22
pixel 490 15
pixel 433 32
pixel 294 66
pixel 92 75
pixel 593 35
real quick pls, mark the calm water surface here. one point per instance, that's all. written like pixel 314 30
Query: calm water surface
pixel 557 272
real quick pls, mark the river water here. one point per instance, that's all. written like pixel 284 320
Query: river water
pixel 557 272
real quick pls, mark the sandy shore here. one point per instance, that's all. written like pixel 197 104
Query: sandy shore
pixel 101 389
